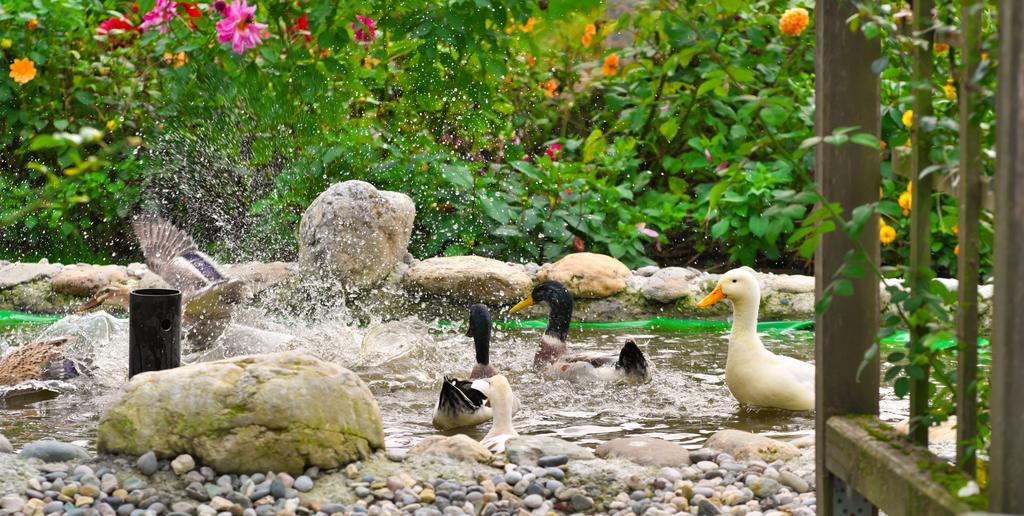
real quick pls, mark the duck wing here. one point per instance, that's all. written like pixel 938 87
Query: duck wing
pixel 172 254
pixel 459 404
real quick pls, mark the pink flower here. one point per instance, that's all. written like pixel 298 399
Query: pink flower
pixel 707 155
pixel 367 35
pixel 239 27
pixel 162 13
pixel 643 229
pixel 722 166
pixel 554 150
pixel 220 6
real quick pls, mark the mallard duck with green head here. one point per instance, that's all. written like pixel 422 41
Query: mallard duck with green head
pixel 553 355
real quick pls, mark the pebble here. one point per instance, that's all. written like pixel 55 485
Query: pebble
pixel 147 463
pixel 549 461
pixel 793 481
pixel 183 464
pixel 303 484
pixel 533 501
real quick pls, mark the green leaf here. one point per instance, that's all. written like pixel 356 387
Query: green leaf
pixel 843 287
pixel 669 128
pixel 867 140
pixel 808 247
pixel 869 357
pixel 758 225
pixel 774 115
pixel 720 227
pixel 901 386
pixel 594 145
pixel 709 85
pixel 457 175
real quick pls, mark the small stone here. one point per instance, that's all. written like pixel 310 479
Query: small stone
pixel 513 477
pixel 706 508
pixel 551 461
pixel 183 464
pixel 793 481
pixel 765 487
pixel 304 484
pixel 427 496
pixel 185 507
pixel 53 451
pixel 12 503
pixel 83 501
pixel 277 488
pixel 90 491
pixel 147 463
pixel 108 484
pixel 706 465
pixel 332 508
pixel 533 501
pixel 580 503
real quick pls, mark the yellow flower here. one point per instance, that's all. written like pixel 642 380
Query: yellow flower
pixel 528 26
pixel 111 125
pixel 956 230
pixel 984 56
pixel 904 202
pixel 6 43
pixel 794 21
pixel 886 233
pixel 908 118
pixel 910 187
pixel 588 34
pixel 32 24
pixel 950 91
pixel 23 70
pixel 549 87
pixel 178 60
pixel 941 48
pixel 611 65
pixel 369 62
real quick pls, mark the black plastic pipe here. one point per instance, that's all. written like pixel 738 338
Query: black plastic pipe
pixel 154 330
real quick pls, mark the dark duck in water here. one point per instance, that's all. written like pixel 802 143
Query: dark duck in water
pixel 553 355
pixel 460 404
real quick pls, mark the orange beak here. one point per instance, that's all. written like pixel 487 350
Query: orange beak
pixel 712 298
pixel 92 303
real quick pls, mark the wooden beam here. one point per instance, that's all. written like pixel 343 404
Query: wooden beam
pixel 899 477
pixel 1006 468
pixel 847 94
pixel 968 237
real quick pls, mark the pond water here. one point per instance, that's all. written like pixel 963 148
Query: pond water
pixel 404 361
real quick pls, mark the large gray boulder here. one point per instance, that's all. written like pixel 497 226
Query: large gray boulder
pixel 470 279
pixel 356 234
pixel 278 412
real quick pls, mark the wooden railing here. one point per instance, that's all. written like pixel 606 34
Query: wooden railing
pixel 862 464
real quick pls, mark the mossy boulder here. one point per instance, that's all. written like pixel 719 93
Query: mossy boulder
pixel 278 412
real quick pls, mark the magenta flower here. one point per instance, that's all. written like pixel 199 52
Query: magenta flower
pixel 554 150
pixel 707 155
pixel 365 31
pixel 157 18
pixel 722 166
pixel 220 6
pixel 239 26
pixel 642 228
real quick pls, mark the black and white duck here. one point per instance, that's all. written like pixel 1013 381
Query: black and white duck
pixel 459 403
pixel 553 356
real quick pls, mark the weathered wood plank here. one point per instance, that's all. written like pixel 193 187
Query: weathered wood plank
pixel 920 213
pixel 900 477
pixel 1006 468
pixel 968 238
pixel 847 94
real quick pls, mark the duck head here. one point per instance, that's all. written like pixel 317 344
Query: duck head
pixel 113 295
pixel 738 285
pixel 480 330
pixel 558 299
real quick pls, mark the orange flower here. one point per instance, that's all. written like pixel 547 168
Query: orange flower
pixel 881 144
pixel 794 21
pixel 530 60
pixel 611 65
pixel 956 250
pixel 941 48
pixel 32 24
pixel 549 87
pixel 886 233
pixel 529 25
pixel 369 62
pixel 178 60
pixel 23 70
pixel 956 230
pixel 588 34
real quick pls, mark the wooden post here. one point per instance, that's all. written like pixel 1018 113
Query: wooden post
pixel 920 213
pixel 847 94
pixel 969 192
pixel 1006 469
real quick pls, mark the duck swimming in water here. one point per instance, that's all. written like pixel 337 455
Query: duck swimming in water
pixel 208 294
pixel 39 360
pixel 754 375
pixel 499 392
pixel 459 403
pixel 553 357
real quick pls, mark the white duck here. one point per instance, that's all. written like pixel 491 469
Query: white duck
pixel 499 394
pixel 754 375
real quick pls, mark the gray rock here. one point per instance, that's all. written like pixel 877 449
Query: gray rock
pixel 303 484
pixel 668 284
pixel 533 501
pixel 648 451
pixel 706 508
pixel 356 233
pixel 549 461
pixel 747 446
pixel 53 451
pixel 12 274
pixel 793 481
pixel 580 503
pixel 468 278
pixel 765 487
pixel 275 434
pixel 792 284
pixel 5 445
pixel 527 450
pixel 147 463
pixel 646 271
